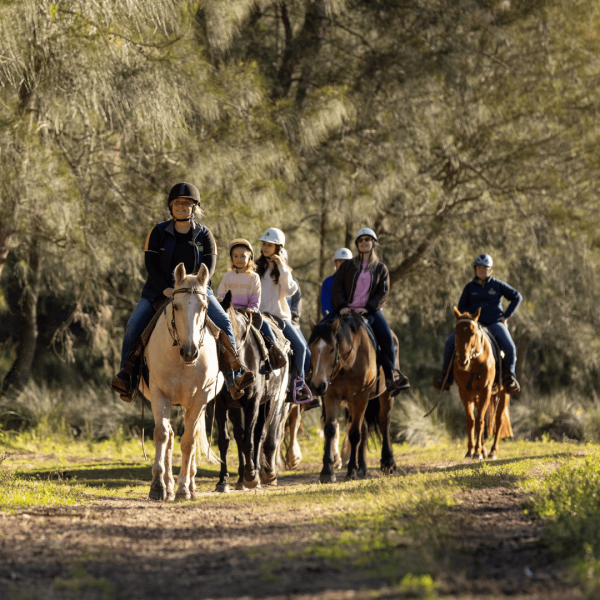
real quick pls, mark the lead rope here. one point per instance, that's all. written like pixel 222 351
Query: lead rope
pixel 443 384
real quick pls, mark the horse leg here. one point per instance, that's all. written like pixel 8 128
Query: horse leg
pixel 236 416
pixel 386 403
pixel 270 443
pixel 332 405
pixel 484 403
pixel 358 408
pixel 193 414
pixel 250 477
pixel 161 409
pixel 169 479
pixel 336 456
pixel 221 418
pixel 293 456
pixel 361 472
pixel 501 413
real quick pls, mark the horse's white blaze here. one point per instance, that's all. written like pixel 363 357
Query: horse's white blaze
pixel 321 346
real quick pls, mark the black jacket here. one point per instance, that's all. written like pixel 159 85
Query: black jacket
pixel 344 284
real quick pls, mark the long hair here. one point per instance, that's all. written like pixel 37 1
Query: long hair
pixel 262 264
pixel 373 260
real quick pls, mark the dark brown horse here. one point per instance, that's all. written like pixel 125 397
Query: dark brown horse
pixel 474 373
pixel 345 370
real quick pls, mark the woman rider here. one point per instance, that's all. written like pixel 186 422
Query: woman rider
pixel 277 284
pixel 179 240
pixel 486 293
pixel 363 284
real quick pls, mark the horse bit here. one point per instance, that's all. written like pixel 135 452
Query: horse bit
pixel 173 329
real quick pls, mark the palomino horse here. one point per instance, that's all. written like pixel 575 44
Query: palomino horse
pixel 256 416
pixel 345 369
pixel 474 373
pixel 183 365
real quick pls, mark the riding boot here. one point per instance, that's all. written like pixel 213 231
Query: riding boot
pixel 232 358
pixel 396 383
pixel 277 357
pixel 121 383
pixel 510 383
pixel 438 380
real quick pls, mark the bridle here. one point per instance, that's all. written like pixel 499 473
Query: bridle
pixel 479 332
pixel 173 329
pixel 340 361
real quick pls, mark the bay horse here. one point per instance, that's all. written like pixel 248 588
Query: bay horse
pixel 256 416
pixel 474 373
pixel 345 370
pixel 183 371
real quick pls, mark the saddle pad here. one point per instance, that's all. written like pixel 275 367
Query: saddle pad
pixel 367 321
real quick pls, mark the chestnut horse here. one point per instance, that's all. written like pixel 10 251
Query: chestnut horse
pixel 345 368
pixel 474 373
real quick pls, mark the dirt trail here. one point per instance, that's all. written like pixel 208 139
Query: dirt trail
pixel 130 549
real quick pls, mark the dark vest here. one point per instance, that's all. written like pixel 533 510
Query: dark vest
pixel 167 247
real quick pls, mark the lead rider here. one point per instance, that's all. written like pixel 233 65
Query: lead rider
pixel 179 240
pixel 486 293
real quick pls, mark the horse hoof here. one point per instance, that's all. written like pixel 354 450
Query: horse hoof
pixel 469 454
pixel 158 493
pixel 327 478
pixel 223 488
pixel 493 456
pixel 252 483
pixel 239 486
pixel 477 456
pixel 351 477
pixel 170 496
pixel 337 464
pixel 181 496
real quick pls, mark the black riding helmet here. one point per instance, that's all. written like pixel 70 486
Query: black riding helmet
pixel 183 190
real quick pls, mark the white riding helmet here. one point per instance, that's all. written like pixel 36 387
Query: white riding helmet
pixel 273 235
pixel 485 260
pixel 342 254
pixel 366 231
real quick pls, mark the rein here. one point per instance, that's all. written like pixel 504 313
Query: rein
pixel 340 361
pixel 173 329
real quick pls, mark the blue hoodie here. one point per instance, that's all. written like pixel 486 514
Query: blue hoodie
pixel 488 296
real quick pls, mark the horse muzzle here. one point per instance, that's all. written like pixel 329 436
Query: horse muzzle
pixel 320 388
pixel 189 355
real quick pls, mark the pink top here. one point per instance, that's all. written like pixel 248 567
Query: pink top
pixel 244 287
pixel 361 291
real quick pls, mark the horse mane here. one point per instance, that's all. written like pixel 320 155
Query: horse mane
pixel 349 323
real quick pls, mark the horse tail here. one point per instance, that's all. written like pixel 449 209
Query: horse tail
pixel 203 443
pixel 372 418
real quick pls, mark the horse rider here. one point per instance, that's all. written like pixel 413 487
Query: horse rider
pixel 341 255
pixel 244 284
pixel 179 240
pixel 486 293
pixel 277 284
pixel 363 285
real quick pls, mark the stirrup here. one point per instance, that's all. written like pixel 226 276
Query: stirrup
pixel 299 385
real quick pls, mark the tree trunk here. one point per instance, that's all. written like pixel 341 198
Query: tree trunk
pixel 322 243
pixel 19 373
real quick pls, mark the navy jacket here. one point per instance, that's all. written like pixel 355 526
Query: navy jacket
pixel 488 297
pixel 327 295
pixel 159 248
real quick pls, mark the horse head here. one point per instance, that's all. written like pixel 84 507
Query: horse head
pixel 324 358
pixel 469 337
pixel 188 312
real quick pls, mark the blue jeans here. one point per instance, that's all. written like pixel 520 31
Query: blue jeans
pixel 267 331
pixel 299 347
pixel 383 334
pixel 502 335
pixel 143 313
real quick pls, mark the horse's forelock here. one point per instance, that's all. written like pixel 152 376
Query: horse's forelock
pixel 322 331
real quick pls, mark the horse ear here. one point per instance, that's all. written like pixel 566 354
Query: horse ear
pixel 477 314
pixel 456 313
pixel 311 323
pixel 179 274
pixel 202 276
pixel 226 302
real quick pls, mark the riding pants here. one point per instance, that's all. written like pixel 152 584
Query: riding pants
pixel 383 335
pixel 500 332
pixel 299 347
pixel 143 313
